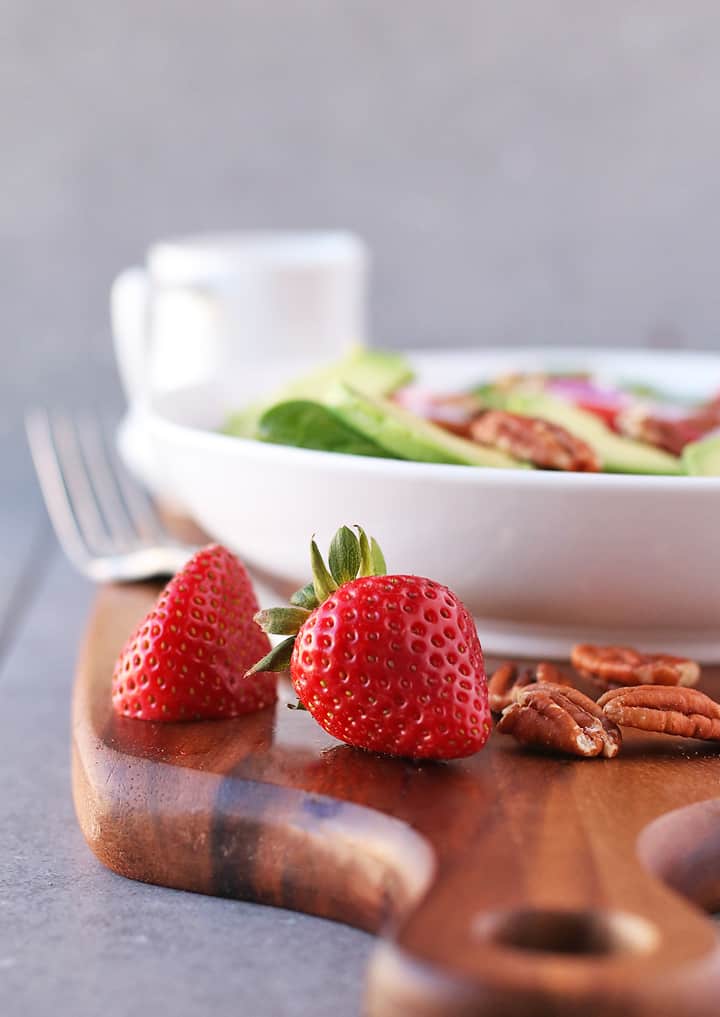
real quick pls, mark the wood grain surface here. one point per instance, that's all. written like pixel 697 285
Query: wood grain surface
pixel 512 884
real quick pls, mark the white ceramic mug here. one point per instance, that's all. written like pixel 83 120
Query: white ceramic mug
pixel 265 303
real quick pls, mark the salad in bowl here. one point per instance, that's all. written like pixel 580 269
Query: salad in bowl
pixel 370 404
pixel 566 495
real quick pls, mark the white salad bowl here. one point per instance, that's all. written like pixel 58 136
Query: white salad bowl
pixel 542 559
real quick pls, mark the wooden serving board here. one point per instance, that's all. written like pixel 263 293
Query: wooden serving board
pixel 511 884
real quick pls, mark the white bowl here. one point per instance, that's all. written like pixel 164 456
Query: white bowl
pixel 542 559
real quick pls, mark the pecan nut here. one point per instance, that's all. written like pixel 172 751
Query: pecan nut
pixel 537 441
pixel 684 712
pixel 621 665
pixel 508 682
pixel 563 720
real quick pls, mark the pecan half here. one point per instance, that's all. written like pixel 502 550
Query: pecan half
pixel 684 712
pixel 537 441
pixel 622 665
pixel 561 719
pixel 508 682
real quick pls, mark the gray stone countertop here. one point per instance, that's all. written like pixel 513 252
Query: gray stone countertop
pixel 75 939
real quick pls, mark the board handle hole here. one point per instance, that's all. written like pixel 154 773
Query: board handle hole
pixel 569 932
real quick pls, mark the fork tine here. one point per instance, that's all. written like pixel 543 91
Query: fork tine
pixel 77 482
pixel 138 505
pixel 103 480
pixel 52 484
pixel 86 499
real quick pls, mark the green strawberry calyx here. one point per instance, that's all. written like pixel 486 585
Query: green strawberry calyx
pixel 350 557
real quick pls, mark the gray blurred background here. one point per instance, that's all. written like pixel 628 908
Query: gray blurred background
pixel 524 171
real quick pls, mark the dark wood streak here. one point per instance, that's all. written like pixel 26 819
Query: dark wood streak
pixel 505 885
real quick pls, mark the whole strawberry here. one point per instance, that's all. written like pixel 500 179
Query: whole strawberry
pixel 387 663
pixel 187 659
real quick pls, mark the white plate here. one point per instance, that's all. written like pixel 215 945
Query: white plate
pixel 542 559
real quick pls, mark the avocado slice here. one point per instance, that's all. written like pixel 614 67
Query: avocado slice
pixel 378 372
pixel 702 458
pixel 408 436
pixel 616 454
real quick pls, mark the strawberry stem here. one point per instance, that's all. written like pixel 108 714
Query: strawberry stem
pixel 365 556
pixel 305 597
pixel 282 621
pixel 377 558
pixel 323 582
pixel 344 556
pixel 350 557
pixel 277 660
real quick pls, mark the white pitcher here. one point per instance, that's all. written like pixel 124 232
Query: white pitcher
pixel 265 306
pixel 211 304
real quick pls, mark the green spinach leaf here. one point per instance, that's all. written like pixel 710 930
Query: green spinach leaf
pixel 305 424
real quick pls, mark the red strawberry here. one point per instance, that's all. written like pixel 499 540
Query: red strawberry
pixel 187 657
pixel 387 663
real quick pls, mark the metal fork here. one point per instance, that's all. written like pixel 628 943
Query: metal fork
pixel 106 524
